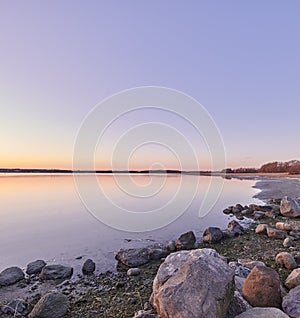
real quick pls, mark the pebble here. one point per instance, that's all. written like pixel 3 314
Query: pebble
pixel 288 242
pixel 133 272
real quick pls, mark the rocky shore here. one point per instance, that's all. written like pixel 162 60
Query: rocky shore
pixel 237 272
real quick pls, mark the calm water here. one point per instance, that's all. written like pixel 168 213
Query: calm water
pixel 43 216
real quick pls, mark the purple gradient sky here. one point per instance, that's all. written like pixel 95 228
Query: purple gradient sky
pixel 58 59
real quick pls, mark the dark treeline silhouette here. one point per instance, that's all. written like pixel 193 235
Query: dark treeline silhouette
pixel 291 167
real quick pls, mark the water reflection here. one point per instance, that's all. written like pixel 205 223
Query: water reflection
pixel 42 216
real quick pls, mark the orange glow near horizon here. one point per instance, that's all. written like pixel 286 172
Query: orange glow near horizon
pixel 37 162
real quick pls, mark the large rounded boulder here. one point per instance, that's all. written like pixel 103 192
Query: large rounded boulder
pixel 262 288
pixel 193 284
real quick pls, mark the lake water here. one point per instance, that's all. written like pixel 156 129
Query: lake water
pixel 44 217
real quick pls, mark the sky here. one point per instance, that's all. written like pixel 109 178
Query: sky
pixel 59 59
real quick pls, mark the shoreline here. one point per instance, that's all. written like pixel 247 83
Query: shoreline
pixel 277 187
pixel 119 295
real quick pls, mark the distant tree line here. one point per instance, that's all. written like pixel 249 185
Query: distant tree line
pixel 281 167
pixel 290 167
pixel 239 170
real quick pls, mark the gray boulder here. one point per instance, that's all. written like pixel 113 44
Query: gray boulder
pixel 88 267
pixel 212 235
pixel 290 207
pixel 260 312
pixel 186 241
pixel 52 272
pixel 11 275
pixel 35 267
pixel 133 257
pixel 51 305
pixel 193 284
pixel 291 303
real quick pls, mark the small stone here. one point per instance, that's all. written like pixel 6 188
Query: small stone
pixel 212 235
pixel 257 215
pixel 276 234
pixel 293 280
pixel 35 267
pixel 227 211
pixel 133 272
pixel 283 226
pixel 250 263
pixel 53 272
pixel 271 214
pixel 51 305
pixel 11 275
pixel 235 227
pixel 171 247
pixel 239 207
pixel 261 228
pixel 253 206
pixel 288 242
pixel 88 267
pixel 247 212
pixel 235 210
pixel 286 260
pixel 186 241
pixel 239 269
pixel 133 257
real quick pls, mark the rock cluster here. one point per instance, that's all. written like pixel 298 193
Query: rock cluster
pixel 53 304
pixel 191 282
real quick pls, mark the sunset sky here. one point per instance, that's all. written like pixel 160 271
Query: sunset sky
pixel 239 59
